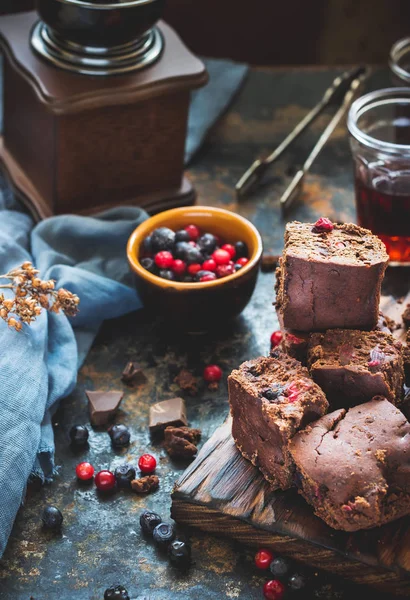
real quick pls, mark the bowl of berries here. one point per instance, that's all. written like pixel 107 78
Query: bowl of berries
pixel 195 266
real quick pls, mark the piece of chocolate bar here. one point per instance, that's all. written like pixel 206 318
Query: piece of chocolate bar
pixel 168 412
pixel 133 374
pixel 103 406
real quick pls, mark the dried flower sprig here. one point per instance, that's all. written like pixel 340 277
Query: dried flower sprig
pixel 31 295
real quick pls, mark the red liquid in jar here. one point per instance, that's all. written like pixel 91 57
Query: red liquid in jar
pixel 386 214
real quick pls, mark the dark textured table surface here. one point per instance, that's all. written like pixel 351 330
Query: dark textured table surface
pixel 101 541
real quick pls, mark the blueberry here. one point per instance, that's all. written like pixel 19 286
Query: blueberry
pixel 202 274
pixel 207 242
pixel 162 238
pixel 79 435
pixel 297 582
pixel 280 567
pixel 181 248
pixel 120 435
pixel 273 393
pixel 52 518
pixel 146 246
pixel 237 267
pixel 116 592
pixel 149 264
pixel 124 475
pixel 163 534
pixel 167 274
pixel 182 236
pixel 241 250
pixel 193 255
pixel 149 521
pixel 179 554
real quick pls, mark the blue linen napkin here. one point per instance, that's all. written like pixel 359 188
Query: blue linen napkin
pixel 38 366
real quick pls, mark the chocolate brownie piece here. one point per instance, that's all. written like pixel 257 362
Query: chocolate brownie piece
pixel 271 399
pixel 406 316
pixel 353 366
pixel 330 279
pixel 354 467
pixel 295 343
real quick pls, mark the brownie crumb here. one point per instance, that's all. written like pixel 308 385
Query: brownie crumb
pixel 213 386
pixel 145 485
pixel 406 316
pixel 187 382
pixel 133 374
pixel 269 262
pixel 381 455
pixel 181 442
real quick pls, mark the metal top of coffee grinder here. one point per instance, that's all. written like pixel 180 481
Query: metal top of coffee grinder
pixel 98 38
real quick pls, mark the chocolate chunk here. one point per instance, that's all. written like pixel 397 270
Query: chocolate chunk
pixel 180 442
pixel 187 382
pixel 406 316
pixel 133 374
pixel 269 262
pixel 103 406
pixel 145 485
pixel 168 412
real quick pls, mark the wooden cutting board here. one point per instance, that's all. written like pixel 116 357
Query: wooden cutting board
pixel 223 493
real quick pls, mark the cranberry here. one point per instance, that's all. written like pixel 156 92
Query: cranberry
pixel 373 363
pixel 273 590
pixel 178 266
pixel 293 339
pixel 263 558
pixel 147 464
pixel 209 265
pixel 212 373
pixel 84 471
pixel 193 232
pixel 275 339
pixel 224 270
pixel 221 257
pixel 229 249
pixel 193 269
pixel 105 481
pixel 164 259
pixel 242 261
pixel 294 390
pixel 323 224
pixel 347 508
pixel 208 277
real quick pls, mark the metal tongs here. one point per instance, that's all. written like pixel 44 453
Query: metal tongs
pixel 342 91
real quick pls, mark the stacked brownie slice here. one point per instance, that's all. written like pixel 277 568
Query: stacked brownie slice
pixel 352 465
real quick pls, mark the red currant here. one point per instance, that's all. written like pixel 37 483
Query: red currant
pixel 276 338
pixel 273 590
pixel 147 464
pixel 229 249
pixel 193 269
pixel 84 471
pixel 323 224
pixel 224 270
pixel 105 481
pixel 212 373
pixel 209 277
pixel 221 257
pixel 209 265
pixel 178 266
pixel 164 259
pixel 263 558
pixel 242 261
pixel 193 232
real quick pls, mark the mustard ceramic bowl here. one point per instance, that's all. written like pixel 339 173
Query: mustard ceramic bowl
pixel 197 307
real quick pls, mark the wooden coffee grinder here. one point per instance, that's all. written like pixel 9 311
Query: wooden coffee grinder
pixel 96 98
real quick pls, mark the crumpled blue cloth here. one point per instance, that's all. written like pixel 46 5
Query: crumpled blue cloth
pixel 38 366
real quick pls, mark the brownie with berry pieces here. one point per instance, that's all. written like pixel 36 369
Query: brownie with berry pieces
pixel 353 366
pixel 406 358
pixel 329 277
pixel 295 343
pixel 271 398
pixel 354 466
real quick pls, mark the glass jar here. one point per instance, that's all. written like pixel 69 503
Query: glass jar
pixel 379 126
pixel 399 62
